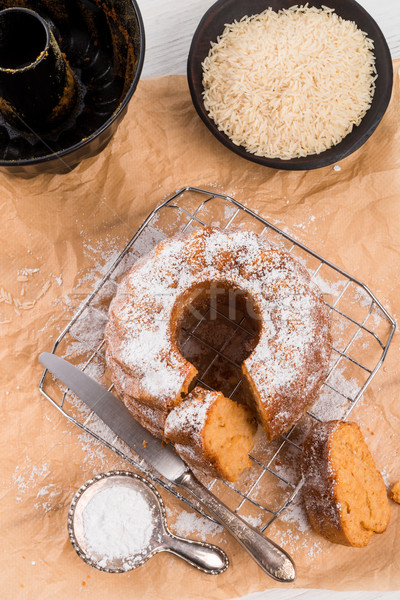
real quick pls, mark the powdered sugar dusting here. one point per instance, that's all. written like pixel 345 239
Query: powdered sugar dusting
pixel 299 536
pixel 96 458
pixel 27 475
pixel 191 415
pixel 318 489
pixel 139 336
pixel 189 523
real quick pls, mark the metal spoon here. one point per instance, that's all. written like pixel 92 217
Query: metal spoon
pixel 203 556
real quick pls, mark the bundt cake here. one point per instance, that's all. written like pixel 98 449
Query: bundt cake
pixel 290 360
pixel 212 433
pixel 344 493
pixel 152 417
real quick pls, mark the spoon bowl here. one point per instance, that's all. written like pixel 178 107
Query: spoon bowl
pixel 205 557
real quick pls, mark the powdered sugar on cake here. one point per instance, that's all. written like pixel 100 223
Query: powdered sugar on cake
pixel 139 334
pixel 293 344
pixel 190 415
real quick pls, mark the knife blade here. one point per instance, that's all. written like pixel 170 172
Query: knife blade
pixel 118 418
pixel 269 556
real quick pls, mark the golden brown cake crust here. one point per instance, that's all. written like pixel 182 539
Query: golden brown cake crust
pixel 319 483
pixel 325 479
pixel 288 364
pixel 152 417
pixel 185 428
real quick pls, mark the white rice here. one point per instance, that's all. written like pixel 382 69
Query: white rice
pixel 290 83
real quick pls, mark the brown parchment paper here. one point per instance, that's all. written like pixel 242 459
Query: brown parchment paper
pixel 56 235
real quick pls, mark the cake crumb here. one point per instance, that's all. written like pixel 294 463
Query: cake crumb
pixel 395 492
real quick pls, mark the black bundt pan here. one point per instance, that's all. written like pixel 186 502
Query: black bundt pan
pixel 103 42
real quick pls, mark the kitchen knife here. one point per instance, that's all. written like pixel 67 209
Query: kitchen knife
pixel 268 555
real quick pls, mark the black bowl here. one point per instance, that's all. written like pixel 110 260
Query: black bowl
pixel 226 11
pixel 103 42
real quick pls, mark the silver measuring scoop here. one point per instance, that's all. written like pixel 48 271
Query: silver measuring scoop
pixel 203 556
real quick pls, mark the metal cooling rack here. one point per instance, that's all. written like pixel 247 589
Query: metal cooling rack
pixel 361 327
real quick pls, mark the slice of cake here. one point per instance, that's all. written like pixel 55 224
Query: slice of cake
pixel 212 433
pixel 344 493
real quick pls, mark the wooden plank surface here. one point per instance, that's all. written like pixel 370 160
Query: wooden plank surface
pixel 170 26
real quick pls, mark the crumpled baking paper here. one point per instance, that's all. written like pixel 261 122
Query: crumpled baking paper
pixel 58 234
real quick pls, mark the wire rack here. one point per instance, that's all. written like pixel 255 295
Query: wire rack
pixel 361 328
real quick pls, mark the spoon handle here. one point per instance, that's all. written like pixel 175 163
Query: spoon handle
pixel 206 557
pixel 268 555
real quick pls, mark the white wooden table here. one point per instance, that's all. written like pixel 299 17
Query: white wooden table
pixel 169 27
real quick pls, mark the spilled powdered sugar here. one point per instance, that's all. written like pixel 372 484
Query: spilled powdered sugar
pixel 187 523
pixel 36 477
pixel 298 536
pixel 27 476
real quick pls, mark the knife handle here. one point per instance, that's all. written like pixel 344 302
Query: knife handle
pixel 272 559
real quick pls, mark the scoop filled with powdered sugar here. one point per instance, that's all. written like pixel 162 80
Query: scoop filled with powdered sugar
pixel 116 522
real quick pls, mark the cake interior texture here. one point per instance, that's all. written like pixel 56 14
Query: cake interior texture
pixel 344 493
pixel 229 437
pixel 212 433
pixel 360 488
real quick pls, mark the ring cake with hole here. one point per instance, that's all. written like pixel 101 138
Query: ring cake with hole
pixel 290 360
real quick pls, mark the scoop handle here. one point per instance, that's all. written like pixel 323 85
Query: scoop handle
pixel 206 557
pixel 272 559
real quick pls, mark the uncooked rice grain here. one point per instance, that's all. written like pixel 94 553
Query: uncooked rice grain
pixel 291 83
